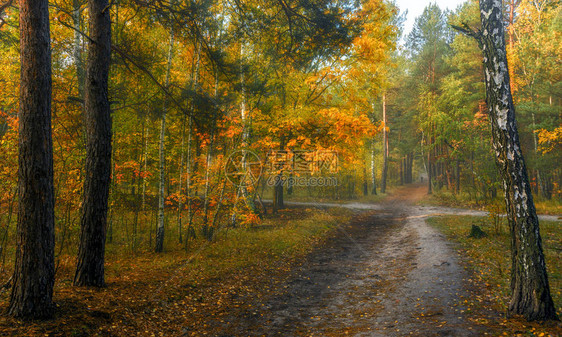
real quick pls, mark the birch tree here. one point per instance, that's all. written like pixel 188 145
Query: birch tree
pixel 162 161
pixel 530 291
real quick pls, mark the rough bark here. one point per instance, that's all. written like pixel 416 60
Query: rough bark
pixel 34 273
pixel 93 217
pixel 530 291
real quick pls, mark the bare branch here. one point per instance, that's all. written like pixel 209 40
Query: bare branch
pixel 466 30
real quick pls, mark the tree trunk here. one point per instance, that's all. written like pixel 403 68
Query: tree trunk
pixel 365 182
pixel 458 177
pixel 410 168
pixel 34 272
pixel 190 230
pixel 429 175
pixel 373 177
pixel 530 295
pixel 180 191
pixel 278 202
pixel 93 220
pixel 384 146
pixel 77 52
pixel 208 231
pixel 161 197
pixel 402 180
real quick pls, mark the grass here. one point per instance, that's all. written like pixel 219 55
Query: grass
pixel 489 262
pixel 179 288
pixel 545 206
pixel 463 199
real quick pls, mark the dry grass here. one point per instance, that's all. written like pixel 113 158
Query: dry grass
pixel 488 260
pixel 178 292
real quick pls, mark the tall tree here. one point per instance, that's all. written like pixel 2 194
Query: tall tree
pixel 428 46
pixel 162 156
pixel 93 217
pixel 530 292
pixel 34 273
pixel 384 146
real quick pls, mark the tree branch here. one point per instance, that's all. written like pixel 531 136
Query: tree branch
pixel 466 30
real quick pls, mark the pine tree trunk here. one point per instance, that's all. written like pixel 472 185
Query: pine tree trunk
pixel 365 182
pixel 93 220
pixel 410 168
pixel 458 177
pixel 530 291
pixel 34 273
pixel 429 174
pixel 373 177
pixel 384 146
pixel 402 171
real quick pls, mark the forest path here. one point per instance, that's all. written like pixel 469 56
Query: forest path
pixel 387 273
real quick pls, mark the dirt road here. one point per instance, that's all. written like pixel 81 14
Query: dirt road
pixel 386 274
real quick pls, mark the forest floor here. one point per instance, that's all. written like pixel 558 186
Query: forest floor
pixel 387 273
pixel 372 270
